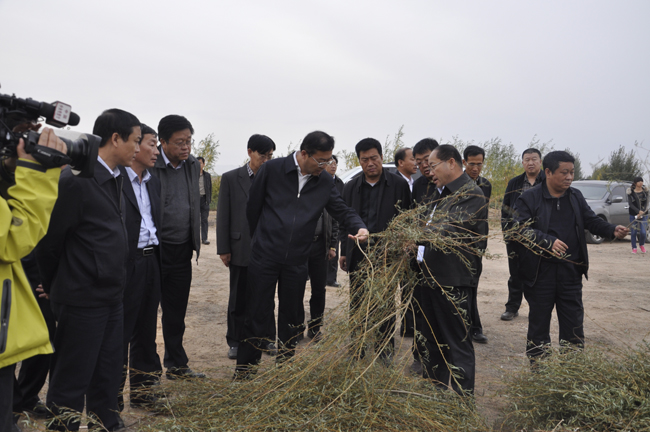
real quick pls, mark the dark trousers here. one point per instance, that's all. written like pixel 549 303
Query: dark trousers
pixel 87 361
pixel 447 338
pixel 141 300
pixel 175 293
pixel 6 397
pixel 237 308
pixel 317 268
pixel 515 286
pixel 205 212
pixel 333 267
pixel 558 285
pixel 475 318
pixel 263 275
pixel 377 311
pixel 415 311
pixel 34 370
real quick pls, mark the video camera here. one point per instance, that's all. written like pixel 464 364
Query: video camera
pixel 82 152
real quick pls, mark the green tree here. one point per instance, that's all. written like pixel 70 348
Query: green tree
pixel 392 145
pixel 621 166
pixel 208 148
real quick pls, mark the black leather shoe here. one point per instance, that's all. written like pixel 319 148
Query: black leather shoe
pixel 315 335
pixel 416 368
pixel 479 338
pixel 509 316
pixel 183 373
pixel 271 349
pixel 334 285
pixel 146 401
pixel 232 353
pixel 39 411
pixel 207 242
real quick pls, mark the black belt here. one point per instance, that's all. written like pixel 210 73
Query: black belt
pixel 149 250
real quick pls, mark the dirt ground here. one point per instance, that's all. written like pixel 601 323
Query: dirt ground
pixel 616 299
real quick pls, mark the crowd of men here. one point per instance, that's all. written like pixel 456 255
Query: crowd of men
pixel 121 243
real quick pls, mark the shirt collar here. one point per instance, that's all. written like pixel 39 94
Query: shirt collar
pixel 250 171
pixel 133 175
pixel 295 159
pixel 114 172
pixel 167 160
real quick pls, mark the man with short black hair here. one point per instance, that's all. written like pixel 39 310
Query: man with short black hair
pixel 533 175
pixel 205 192
pixel 450 279
pixel 82 261
pixel 234 239
pixel 406 166
pixel 377 196
pixel 423 187
pixel 284 204
pixel 554 257
pixel 180 230
pixel 142 292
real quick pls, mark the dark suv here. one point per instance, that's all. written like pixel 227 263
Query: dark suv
pixel 608 199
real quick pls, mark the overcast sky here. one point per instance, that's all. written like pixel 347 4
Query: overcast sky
pixel 576 73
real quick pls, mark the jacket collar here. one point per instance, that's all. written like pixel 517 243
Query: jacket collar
pixel 102 175
pixel 547 194
pixel 461 181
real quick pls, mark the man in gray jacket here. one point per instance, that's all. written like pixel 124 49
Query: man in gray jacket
pixel 178 172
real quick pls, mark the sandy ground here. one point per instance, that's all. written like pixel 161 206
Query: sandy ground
pixel 616 299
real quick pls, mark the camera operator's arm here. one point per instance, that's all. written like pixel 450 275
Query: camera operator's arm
pixel 25 215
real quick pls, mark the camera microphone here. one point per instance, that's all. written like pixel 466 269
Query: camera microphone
pixel 57 114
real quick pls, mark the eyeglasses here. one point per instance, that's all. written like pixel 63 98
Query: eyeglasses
pixel 182 144
pixel 432 167
pixel 264 156
pixel 323 164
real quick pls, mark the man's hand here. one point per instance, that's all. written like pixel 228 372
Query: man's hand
pixel 47 139
pixel 621 231
pixel 226 259
pixel 343 264
pixel 41 292
pixel 362 235
pixel 331 254
pixel 559 247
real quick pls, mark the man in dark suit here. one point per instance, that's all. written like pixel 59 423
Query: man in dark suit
pixel 234 239
pixel 533 175
pixel 473 159
pixel 82 262
pixel 142 293
pixel 460 213
pixel 284 204
pixel 205 192
pixel 179 233
pixel 333 264
pixel 377 196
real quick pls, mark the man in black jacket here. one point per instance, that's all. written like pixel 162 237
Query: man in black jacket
pixel 205 192
pixel 531 159
pixel 333 264
pixel 179 233
pixel 423 186
pixel 234 239
pixel 553 260
pixel 285 201
pixel 377 196
pixel 459 212
pixel 82 262
pixel 142 293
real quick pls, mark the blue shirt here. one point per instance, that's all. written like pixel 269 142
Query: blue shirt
pixel 147 227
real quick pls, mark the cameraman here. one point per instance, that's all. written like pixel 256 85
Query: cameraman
pixel 24 216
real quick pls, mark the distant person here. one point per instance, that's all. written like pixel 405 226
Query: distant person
pixel 531 159
pixel 637 199
pixel 205 192
pixel 285 201
pixel 143 276
pixel 451 278
pixel 333 264
pixel 377 195
pixel 179 232
pixel 82 261
pixel 423 190
pixel 473 159
pixel 406 166
pixel 234 239
pixel 552 265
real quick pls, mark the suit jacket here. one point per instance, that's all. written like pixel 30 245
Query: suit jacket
pixel 233 233
pixel 465 218
pixel 133 215
pixel 192 169
pixel 282 220
pixel 82 259
pixel 394 194
pixel 514 191
pixel 423 190
pixel 207 186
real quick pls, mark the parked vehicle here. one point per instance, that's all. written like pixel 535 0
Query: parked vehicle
pixel 608 199
pixel 356 171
